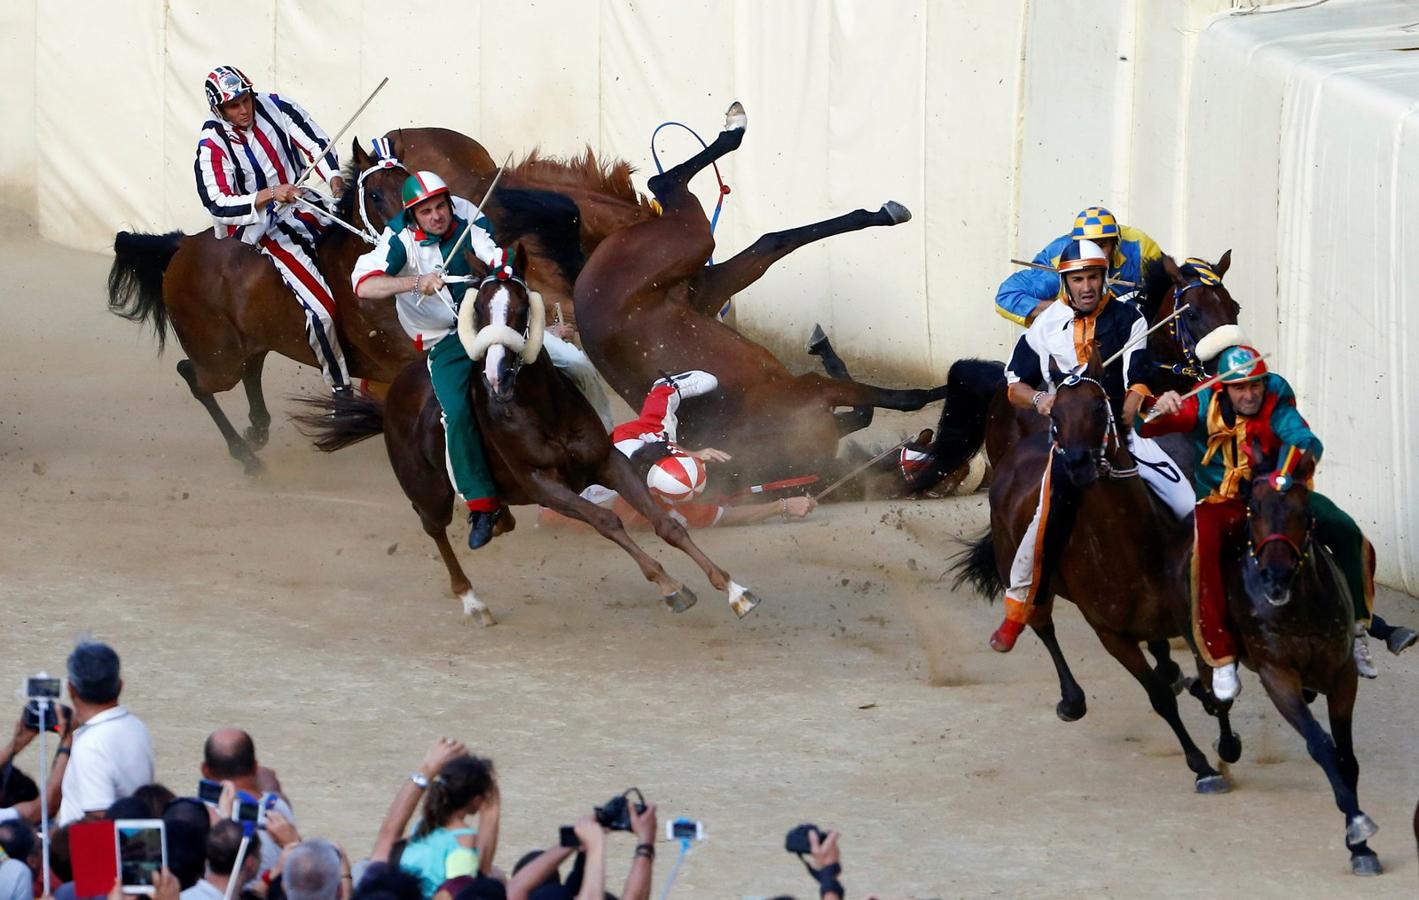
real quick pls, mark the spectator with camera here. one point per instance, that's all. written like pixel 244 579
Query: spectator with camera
pixel 444 846
pixel 19 796
pixel 229 757
pixel 111 755
pixel 822 847
pixel 538 876
pixel 223 847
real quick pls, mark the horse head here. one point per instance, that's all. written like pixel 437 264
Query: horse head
pixel 1082 427
pixel 375 198
pixel 1209 324
pixel 1279 524
pixel 502 326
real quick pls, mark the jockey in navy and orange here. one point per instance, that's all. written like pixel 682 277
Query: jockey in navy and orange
pixel 1084 318
pixel 1253 415
pixel 251 149
pixel 1129 251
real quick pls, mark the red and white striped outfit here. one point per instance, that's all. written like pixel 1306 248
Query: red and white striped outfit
pixel 233 165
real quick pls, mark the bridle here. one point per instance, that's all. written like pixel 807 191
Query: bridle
pixel 1181 332
pixel 1111 435
pixel 366 229
pixel 1301 550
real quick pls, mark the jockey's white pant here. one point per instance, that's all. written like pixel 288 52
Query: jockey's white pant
pixel 290 244
pixel 1157 470
pixel 570 359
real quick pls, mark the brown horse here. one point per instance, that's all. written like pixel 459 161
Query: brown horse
pixel 544 442
pixel 1110 547
pixel 1293 613
pixel 646 303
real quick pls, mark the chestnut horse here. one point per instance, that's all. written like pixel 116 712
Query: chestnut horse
pixel 544 442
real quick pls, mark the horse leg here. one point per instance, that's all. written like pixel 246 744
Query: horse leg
pixel 1340 703
pixel 1166 669
pixel 260 429
pixel 671 187
pixel 714 285
pixel 1284 688
pixel 240 450
pixel 1165 703
pixel 858 417
pixel 1072 705
pixel 837 392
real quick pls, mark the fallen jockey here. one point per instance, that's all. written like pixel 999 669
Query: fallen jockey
pixel 1084 319
pixel 674 474
pixel 1130 253
pixel 1253 415
pixel 250 150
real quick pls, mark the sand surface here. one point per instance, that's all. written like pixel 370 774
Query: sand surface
pixel 307 606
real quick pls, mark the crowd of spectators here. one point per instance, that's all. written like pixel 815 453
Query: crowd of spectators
pixel 103 768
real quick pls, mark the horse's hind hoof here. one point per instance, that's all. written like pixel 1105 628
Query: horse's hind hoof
pixel 1229 751
pixel 1366 864
pixel 680 601
pixel 1070 712
pixel 476 610
pixel 1401 639
pixel 741 600
pixel 1360 828
pixel 250 464
pixel 735 119
pixel 1211 784
pixel 256 438
pixel 816 340
pixel 896 212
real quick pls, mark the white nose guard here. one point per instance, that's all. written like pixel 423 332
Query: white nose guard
pixel 477 340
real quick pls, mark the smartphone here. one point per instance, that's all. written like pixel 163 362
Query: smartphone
pixel 42 687
pixel 683 829
pixel 248 809
pixel 209 791
pixel 142 853
pixel 568 837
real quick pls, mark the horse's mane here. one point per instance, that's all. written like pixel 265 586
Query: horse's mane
pixel 344 207
pixel 610 178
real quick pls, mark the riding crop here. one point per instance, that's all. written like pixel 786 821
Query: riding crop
pixel 464 236
pixel 1044 268
pixel 860 469
pixel 341 133
pixel 1211 381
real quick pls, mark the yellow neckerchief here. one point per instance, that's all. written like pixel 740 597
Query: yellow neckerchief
pixel 1084 326
pixel 1236 465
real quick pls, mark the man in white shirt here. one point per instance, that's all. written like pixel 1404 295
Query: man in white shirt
pixel 223 844
pixel 112 754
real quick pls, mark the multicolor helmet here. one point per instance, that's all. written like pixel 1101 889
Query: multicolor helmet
pixel 423 186
pixel 1081 254
pixel 676 478
pixel 225 83
pixel 1094 224
pixel 1245 360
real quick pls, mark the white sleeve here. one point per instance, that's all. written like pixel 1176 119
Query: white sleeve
pixel 94 779
pixel 482 243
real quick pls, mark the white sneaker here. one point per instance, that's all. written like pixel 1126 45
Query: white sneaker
pixel 1364 663
pixel 692 383
pixel 1225 685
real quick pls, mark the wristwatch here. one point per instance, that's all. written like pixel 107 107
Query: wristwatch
pixel 420 779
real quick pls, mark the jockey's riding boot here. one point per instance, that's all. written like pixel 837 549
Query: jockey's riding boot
pixel 1225 685
pixel 1364 663
pixel 480 526
pixel 692 383
pixel 1401 639
pixel 1004 638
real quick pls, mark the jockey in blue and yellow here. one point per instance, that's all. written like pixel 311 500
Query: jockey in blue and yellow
pixel 1130 252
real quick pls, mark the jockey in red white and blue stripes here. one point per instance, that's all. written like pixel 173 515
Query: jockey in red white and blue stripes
pixel 250 152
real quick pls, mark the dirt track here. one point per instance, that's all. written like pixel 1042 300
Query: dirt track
pixel 307 606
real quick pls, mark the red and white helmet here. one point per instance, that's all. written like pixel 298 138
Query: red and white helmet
pixel 225 83
pixel 676 478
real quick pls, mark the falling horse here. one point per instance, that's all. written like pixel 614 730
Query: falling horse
pixel 544 442
pixel 646 303
pixel 1109 546
pixel 1293 613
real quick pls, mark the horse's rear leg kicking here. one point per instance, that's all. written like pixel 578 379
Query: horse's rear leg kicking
pixel 837 392
pixel 714 285
pixel 859 417
pixel 671 187
pixel 237 446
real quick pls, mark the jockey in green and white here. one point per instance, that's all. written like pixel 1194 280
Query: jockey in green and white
pixel 1130 253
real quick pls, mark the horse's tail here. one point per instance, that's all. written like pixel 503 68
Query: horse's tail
pixel 970 385
pixel 975 566
pixel 135 283
pixel 334 423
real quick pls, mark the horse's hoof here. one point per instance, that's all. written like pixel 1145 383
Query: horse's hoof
pixel 816 340
pixel 476 610
pixel 896 212
pixel 741 600
pixel 1366 864
pixel 1211 784
pixel 1070 712
pixel 1401 639
pixel 1179 683
pixel 250 464
pixel 1360 828
pixel 1229 751
pixel 735 119
pixel 680 601
pixel 256 438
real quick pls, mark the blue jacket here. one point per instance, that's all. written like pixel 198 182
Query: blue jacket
pixel 1023 291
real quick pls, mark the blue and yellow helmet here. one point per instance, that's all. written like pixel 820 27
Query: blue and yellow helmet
pixel 1095 224
pixel 1241 364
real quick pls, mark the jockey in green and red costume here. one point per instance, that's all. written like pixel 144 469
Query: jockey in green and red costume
pixel 1130 252
pixel 1253 410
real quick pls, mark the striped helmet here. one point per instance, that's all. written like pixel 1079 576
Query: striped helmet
pixel 1095 224
pixel 1245 360
pixel 676 478
pixel 1081 254
pixel 225 83
pixel 422 186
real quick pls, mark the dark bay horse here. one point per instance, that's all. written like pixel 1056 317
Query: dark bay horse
pixel 1110 547
pixel 646 303
pixel 1293 614
pixel 544 442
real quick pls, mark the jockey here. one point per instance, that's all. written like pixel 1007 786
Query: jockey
pixel 1130 253
pixel 1085 318
pixel 249 152
pixel 1254 408
pixel 408 264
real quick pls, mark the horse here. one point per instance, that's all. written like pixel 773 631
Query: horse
pixel 544 442
pixel 1293 614
pixel 1109 546
pixel 646 303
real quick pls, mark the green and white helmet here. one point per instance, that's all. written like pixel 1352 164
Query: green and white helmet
pixel 423 186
